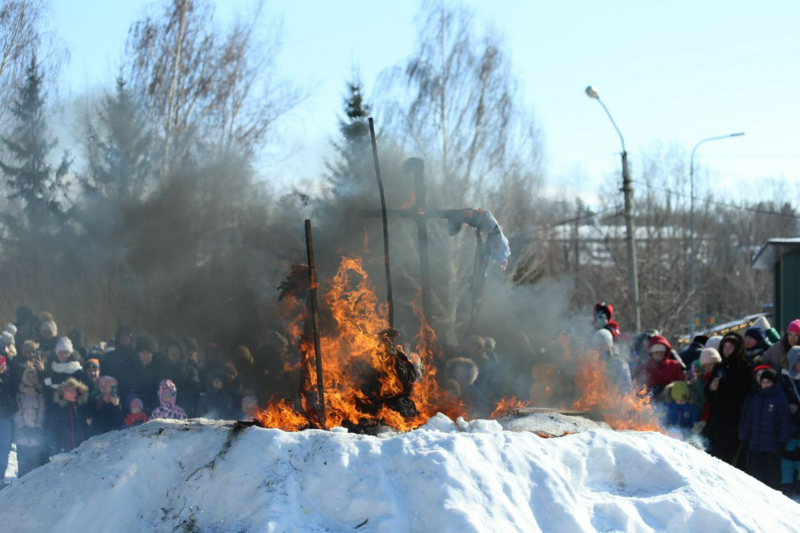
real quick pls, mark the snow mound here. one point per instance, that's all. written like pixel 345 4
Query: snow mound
pixel 201 476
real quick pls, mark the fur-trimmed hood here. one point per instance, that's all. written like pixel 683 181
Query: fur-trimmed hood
pixel 463 361
pixel 83 392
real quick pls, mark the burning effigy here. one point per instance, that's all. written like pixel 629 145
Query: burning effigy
pixel 371 380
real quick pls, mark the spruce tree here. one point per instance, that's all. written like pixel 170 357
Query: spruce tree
pixel 350 169
pixel 29 175
pixel 118 150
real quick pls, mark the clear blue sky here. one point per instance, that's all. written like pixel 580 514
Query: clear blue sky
pixel 670 72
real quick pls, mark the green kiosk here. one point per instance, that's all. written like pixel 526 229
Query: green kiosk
pixel 782 257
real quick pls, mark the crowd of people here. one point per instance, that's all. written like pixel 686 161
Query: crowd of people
pixel 740 392
pixel 55 392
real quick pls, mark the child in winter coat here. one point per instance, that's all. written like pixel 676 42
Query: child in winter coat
pixel 108 411
pixel 767 428
pixel 29 423
pixel 168 395
pixel 135 416
pixel 68 420
pixel 63 365
pixel 680 411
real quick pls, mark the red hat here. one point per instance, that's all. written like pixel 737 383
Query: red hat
pixel 794 327
pixel 604 306
pixel 760 367
pixel 658 339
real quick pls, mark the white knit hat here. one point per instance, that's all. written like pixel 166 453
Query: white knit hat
pixel 7 338
pixel 710 355
pixel 64 345
pixel 11 328
pixel 762 323
pixel 49 325
pixel 713 342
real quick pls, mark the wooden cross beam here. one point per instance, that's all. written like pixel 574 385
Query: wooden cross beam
pixel 420 213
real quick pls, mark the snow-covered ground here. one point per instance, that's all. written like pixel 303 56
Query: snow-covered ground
pixel 201 476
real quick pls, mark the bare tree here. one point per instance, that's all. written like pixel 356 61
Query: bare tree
pixel 203 86
pixel 454 103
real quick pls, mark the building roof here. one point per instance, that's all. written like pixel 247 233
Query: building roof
pixel 772 251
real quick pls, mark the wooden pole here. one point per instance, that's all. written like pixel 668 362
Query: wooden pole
pixel 386 262
pixel 417 167
pixel 312 300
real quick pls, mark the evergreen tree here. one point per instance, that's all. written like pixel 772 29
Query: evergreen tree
pixel 353 149
pixel 119 162
pixel 30 177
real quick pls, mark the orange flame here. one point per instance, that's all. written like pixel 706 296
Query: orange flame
pixel 620 411
pixel 506 405
pixel 354 345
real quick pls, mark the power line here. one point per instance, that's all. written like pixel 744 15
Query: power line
pixel 592 214
pixel 720 204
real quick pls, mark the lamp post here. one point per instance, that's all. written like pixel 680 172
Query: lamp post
pixel 691 223
pixel 627 191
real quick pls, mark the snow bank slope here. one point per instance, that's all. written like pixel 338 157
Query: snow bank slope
pixel 171 476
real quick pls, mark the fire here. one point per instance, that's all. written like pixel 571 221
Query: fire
pixel 360 364
pixel 620 411
pixel 506 405
pixel 370 380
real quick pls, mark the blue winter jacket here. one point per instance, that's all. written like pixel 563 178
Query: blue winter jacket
pixel 682 416
pixel 769 421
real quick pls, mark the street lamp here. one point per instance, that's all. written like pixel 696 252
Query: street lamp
pixel 691 217
pixel 627 190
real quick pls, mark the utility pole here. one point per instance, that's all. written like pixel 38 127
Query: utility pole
pixel 630 238
pixel 630 242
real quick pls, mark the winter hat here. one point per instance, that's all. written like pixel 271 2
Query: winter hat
pixel 132 399
pixel 679 391
pixel 8 338
pixel 603 338
pixel 606 307
pixel 760 367
pixel 793 357
pixel 756 333
pixel 146 344
pixel 658 339
pixel 762 323
pixel 794 327
pixel 93 363
pixel 29 347
pixel 11 328
pixel 64 345
pixel 48 324
pixel 167 385
pixel 713 342
pixel 769 374
pixel 710 355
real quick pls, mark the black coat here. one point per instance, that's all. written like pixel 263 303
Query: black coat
pixel 144 381
pixel 217 404
pixel 58 373
pixel 66 424
pixel 107 417
pixel 726 404
pixel 8 395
